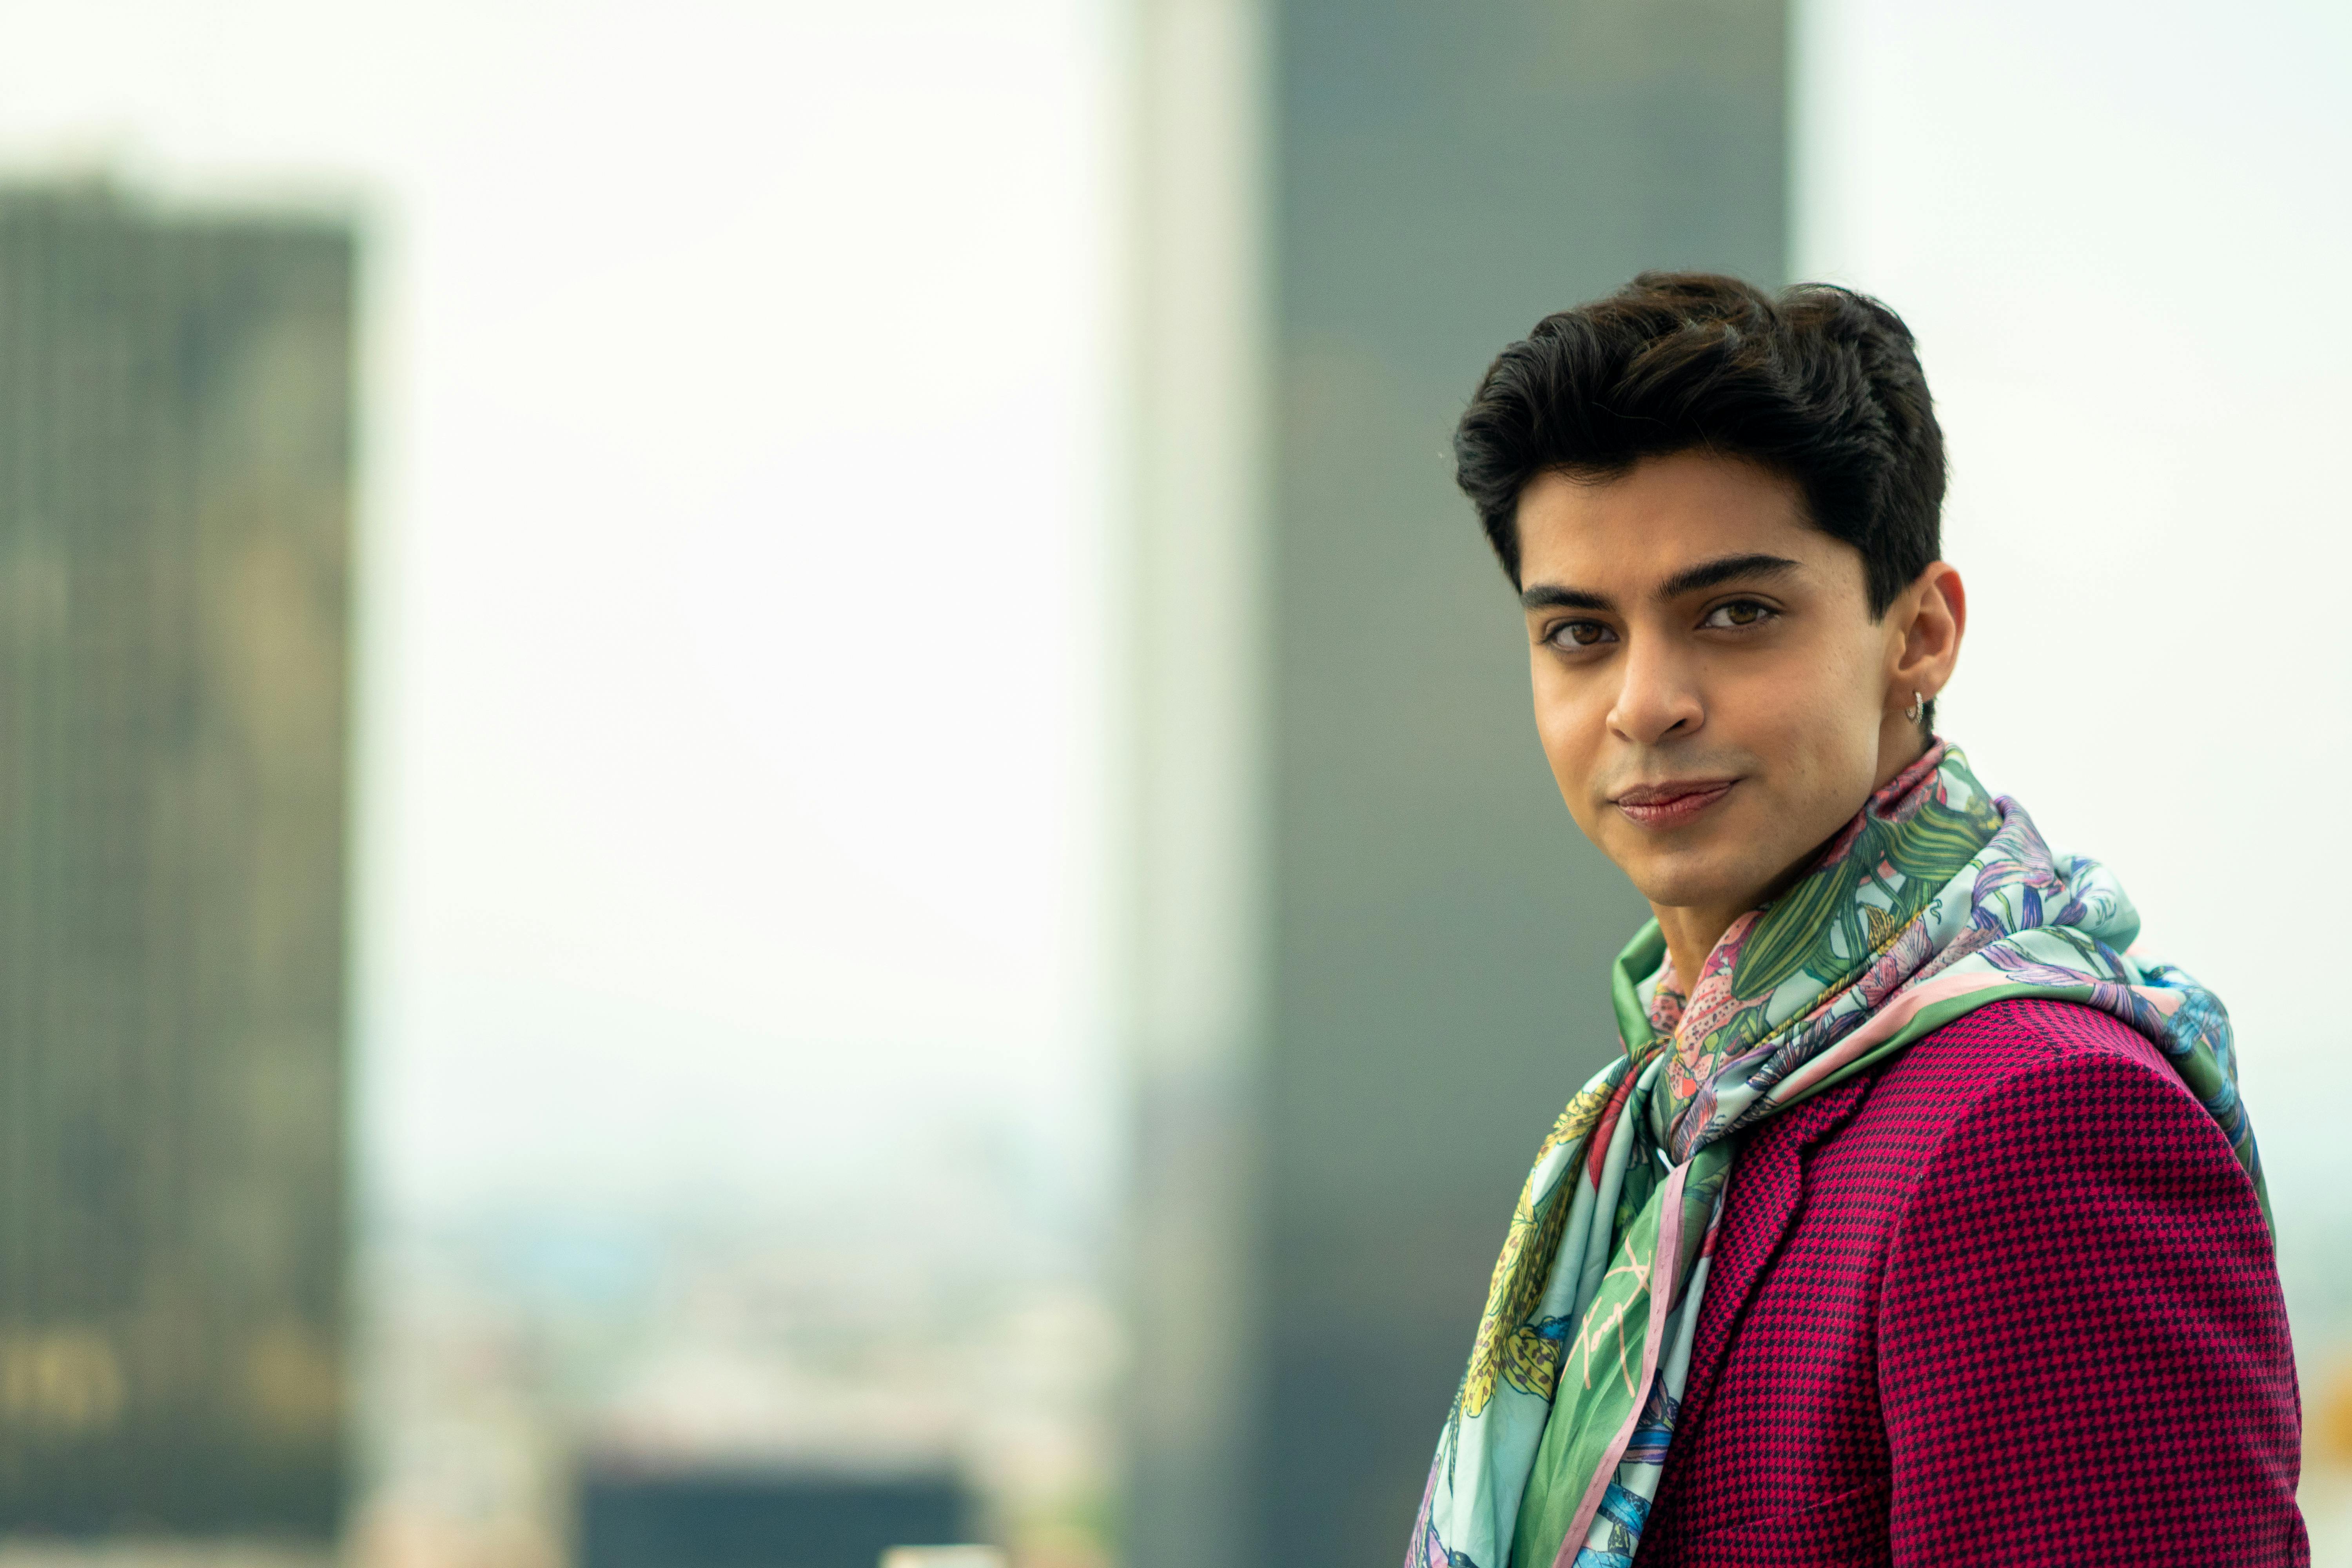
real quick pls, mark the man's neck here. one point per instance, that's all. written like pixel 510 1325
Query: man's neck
pixel 1691 934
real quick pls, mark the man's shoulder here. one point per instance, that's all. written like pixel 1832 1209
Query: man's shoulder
pixel 2035 1046
pixel 2012 1073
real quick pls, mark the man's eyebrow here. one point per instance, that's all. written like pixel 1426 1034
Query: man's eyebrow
pixel 1546 596
pixel 1725 569
pixel 1690 579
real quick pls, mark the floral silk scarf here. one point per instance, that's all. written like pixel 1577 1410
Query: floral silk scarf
pixel 1937 899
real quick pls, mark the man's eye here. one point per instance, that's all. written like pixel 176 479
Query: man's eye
pixel 1738 613
pixel 1581 634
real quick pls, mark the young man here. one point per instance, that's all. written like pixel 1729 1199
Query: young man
pixel 1920 1222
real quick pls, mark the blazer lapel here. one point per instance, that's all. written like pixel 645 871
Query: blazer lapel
pixel 1767 1188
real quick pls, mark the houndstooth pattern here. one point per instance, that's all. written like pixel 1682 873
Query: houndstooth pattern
pixel 2030 1181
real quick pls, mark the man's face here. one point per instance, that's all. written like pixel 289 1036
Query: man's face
pixel 1710 686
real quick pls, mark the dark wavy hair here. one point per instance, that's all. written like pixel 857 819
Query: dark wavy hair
pixel 1821 385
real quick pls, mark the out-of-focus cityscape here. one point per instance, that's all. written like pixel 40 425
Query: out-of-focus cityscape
pixel 757 797
pixel 777 1377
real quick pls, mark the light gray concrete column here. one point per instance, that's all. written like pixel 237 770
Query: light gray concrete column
pixel 1195 942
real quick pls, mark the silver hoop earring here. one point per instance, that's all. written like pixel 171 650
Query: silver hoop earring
pixel 1918 705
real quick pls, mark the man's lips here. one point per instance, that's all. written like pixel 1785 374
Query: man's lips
pixel 1673 804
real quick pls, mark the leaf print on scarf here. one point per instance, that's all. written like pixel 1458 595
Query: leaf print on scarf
pixel 1820 927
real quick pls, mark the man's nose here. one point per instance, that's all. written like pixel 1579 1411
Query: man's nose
pixel 1659 696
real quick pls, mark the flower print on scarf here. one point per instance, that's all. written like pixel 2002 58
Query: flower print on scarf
pixel 1906 953
pixel 1698 1034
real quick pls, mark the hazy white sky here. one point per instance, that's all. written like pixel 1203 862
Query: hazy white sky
pixel 2119 232
pixel 733 443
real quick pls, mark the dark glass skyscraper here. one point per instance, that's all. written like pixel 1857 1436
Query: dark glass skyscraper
pixel 1368 951
pixel 175 453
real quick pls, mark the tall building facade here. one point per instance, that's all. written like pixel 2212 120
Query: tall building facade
pixel 1367 957
pixel 176 463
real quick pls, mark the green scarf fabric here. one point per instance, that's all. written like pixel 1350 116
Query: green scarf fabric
pixel 1937 898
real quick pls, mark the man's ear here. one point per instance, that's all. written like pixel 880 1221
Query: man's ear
pixel 1935 616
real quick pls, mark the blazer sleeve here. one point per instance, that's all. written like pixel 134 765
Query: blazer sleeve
pixel 2083 1353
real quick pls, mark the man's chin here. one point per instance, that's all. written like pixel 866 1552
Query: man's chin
pixel 1692 879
